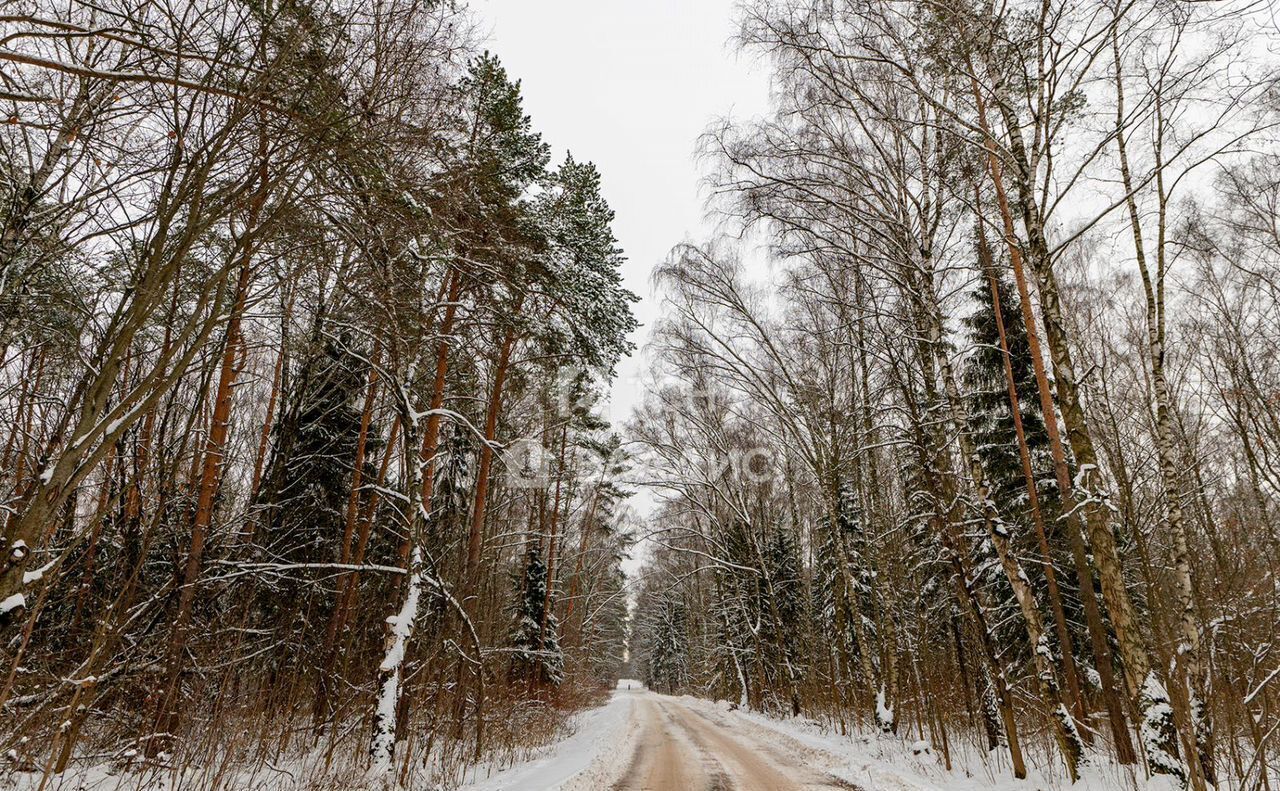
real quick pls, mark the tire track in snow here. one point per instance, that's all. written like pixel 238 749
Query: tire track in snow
pixel 678 748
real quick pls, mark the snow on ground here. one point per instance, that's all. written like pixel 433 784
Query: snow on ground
pixel 588 760
pixel 605 739
pixel 877 763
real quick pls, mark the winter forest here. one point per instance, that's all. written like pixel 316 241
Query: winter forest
pixel 962 429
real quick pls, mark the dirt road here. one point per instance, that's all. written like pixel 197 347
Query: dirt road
pixel 683 749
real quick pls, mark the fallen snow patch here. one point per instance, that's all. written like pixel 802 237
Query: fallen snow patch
pixel 12 603
pixel 587 760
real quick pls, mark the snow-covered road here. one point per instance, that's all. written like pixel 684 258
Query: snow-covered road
pixel 643 741
pixel 682 747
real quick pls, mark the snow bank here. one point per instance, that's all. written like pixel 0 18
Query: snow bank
pixel 899 764
pixel 586 761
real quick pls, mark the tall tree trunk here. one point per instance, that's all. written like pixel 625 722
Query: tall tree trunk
pixel 1065 731
pixel 166 718
pixel 944 521
pixel 475 538
pixel 552 536
pixel 388 724
pixel 390 672
pixel 1033 493
pixel 1096 515
pixel 1143 682
pixel 1188 652
pixel 264 437
pixel 432 440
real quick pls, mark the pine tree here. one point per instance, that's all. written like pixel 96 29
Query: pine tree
pixel 583 269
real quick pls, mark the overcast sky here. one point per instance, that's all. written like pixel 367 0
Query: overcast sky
pixel 630 86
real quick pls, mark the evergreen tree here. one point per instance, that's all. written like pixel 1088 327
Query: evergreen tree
pixel 669 647
pixel 740 604
pixel 988 393
pixel 857 600
pixel 829 603
pixel 501 152
pixel 849 523
pixel 536 656
pixel 583 269
pixel 783 626
pixel 995 437
pixel 309 479
pixel 451 490
pixel 305 491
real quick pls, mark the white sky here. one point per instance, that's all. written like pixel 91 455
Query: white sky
pixel 630 86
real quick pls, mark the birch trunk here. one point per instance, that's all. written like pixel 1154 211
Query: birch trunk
pixel 1096 515
pixel 1143 683
pixel 1065 730
pixel 1166 432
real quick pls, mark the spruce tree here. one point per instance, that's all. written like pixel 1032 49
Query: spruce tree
pixel 310 475
pixel 307 485
pixel 451 489
pixel 849 523
pixel 784 608
pixel 669 647
pixel 536 656
pixel 830 605
pixel 991 418
pixel 995 436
